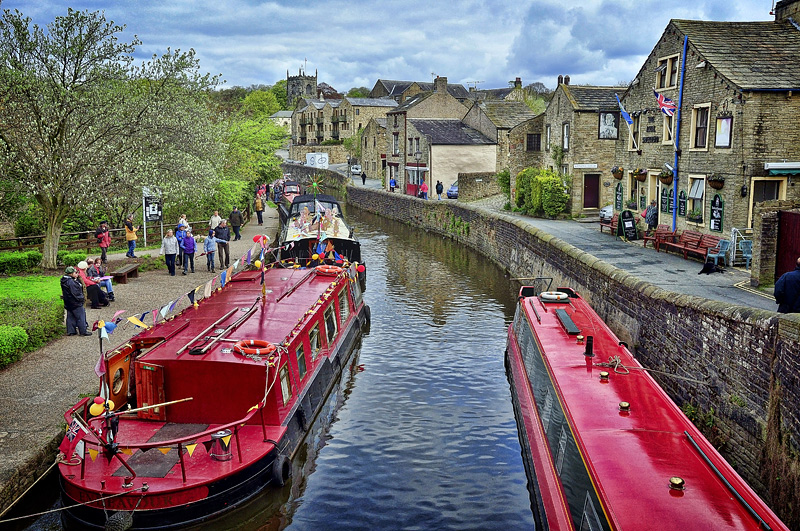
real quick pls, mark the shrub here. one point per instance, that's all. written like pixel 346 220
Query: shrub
pixel 504 181
pixel 70 258
pixel 554 195
pixel 41 319
pixel 522 188
pixel 19 262
pixel 12 342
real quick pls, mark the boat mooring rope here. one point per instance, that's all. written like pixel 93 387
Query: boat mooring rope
pixel 615 362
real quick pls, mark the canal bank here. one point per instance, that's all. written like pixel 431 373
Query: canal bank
pixel 732 366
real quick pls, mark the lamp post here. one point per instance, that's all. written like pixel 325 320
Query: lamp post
pixel 348 166
pixel 417 156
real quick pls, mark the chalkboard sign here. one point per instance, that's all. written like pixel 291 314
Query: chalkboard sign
pixel 618 197
pixel 664 200
pixel 682 204
pixel 717 211
pixel 671 203
pixel 627 226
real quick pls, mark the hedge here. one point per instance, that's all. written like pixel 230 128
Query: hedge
pixel 41 319
pixel 19 261
pixel 12 344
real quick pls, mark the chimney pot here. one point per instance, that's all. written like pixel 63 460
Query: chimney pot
pixel 560 80
pixel 566 80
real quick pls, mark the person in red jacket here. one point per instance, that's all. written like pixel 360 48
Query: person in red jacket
pixel 103 239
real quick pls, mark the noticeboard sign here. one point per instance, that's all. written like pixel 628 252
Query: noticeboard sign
pixel 682 204
pixel 152 209
pixel 618 196
pixel 717 213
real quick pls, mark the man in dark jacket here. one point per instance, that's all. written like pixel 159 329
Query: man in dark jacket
pixel 222 232
pixel 236 220
pixel 787 291
pixel 72 293
pixel 439 189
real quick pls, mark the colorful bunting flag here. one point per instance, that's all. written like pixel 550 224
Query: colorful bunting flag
pixel 92 453
pixel 207 445
pixel 179 299
pixel 117 314
pixel 100 366
pixel 248 256
pixel 138 322
pixel 155 317
pixel 222 278
pixel 126 451
pixel 164 451
pixel 207 290
pixel 190 448
pixel 229 272
pixel 191 297
pixel 165 310
pixel 236 264
pixel 103 334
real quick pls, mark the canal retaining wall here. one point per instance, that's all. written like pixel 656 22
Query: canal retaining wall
pixel 737 367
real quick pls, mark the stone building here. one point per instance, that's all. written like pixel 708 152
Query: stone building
pixel 300 86
pixel 373 148
pixel 400 91
pixel 581 128
pixel 736 143
pixel 495 119
pixel 355 113
pixel 525 148
pixel 514 92
pixel 402 144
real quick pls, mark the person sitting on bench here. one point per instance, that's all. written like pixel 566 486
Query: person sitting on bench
pixel 95 272
pixel 93 291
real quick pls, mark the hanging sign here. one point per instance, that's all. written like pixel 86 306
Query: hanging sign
pixel 717 211
pixel 618 197
pixel 682 204
pixel 152 208
pixel 665 195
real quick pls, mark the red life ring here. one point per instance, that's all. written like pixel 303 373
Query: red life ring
pixel 330 270
pixel 254 346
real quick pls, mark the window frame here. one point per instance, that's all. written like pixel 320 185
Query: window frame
pixel 633 134
pixel 533 142
pixel 286 383
pixel 344 307
pixel 396 144
pixel 720 134
pixel 547 137
pixel 300 356
pixel 697 186
pixel 565 136
pixel 329 317
pixel 696 111
pixel 668 129
pixel 667 77
pixel 314 343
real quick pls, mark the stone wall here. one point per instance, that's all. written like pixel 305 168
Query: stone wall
pixel 472 186
pixel 765 240
pixel 331 181
pixel 337 154
pixel 731 363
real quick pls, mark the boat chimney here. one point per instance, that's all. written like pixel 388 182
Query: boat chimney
pixel 589 347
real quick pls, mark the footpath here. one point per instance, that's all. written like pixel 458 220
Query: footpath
pixel 37 390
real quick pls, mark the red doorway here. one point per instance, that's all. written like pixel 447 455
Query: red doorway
pixel 591 190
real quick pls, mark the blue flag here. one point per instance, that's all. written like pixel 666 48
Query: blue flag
pixel 625 115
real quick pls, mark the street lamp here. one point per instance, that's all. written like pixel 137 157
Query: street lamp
pixel 348 166
pixel 417 156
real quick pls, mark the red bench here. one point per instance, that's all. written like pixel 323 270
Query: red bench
pixel 707 242
pixel 611 225
pixel 689 240
pixel 662 234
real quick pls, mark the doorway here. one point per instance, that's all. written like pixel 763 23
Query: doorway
pixel 591 190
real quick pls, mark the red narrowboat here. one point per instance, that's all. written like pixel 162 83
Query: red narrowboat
pixel 604 446
pixel 207 408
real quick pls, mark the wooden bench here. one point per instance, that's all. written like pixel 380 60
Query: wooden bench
pixel 611 224
pixel 121 275
pixel 707 242
pixel 689 240
pixel 662 234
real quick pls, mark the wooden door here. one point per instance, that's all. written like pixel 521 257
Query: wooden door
pixel 150 390
pixel 591 190
pixel 788 248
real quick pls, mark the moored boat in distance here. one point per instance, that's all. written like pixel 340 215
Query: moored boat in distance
pixel 604 447
pixel 207 408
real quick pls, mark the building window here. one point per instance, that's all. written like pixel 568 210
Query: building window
pixel 411 145
pixel 667 72
pixel 286 384
pixel 301 361
pixel 357 111
pixel 547 137
pixel 565 136
pixel 330 323
pixel 396 144
pixel 697 188
pixel 723 132
pixel 395 120
pixel 668 129
pixel 533 142
pixel 313 340
pixel 633 139
pixel 416 140
pixel 700 126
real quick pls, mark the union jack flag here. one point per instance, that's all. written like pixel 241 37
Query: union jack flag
pixel 666 105
pixel 74 434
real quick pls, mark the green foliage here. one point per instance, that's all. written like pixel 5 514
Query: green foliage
pixel 504 181
pixel 358 92
pixel 557 154
pixel 554 195
pixel 279 91
pixel 541 191
pixel 70 258
pixel 12 342
pixel 41 319
pixel 353 144
pixel 19 262
pixel 331 142
pixel 260 104
pixel 29 222
pixel 523 186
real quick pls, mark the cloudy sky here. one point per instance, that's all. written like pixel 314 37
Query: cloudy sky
pixel 355 42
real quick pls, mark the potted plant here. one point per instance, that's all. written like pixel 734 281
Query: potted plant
pixel 617 172
pixel 716 181
pixel 630 204
pixel 695 215
pixel 665 177
pixel 640 174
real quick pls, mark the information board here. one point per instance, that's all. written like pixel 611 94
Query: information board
pixel 627 226
pixel 682 204
pixel 717 212
pixel 152 209
pixel 665 200
pixel 618 197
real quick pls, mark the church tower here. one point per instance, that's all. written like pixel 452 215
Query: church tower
pixel 300 86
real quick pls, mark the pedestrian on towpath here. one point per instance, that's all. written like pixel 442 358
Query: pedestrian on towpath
pixel 72 293
pixel 188 248
pixel 170 249
pixel 439 189
pixel 787 291
pixel 235 220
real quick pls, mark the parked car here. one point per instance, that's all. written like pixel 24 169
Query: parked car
pixel 606 213
pixel 355 169
pixel 452 192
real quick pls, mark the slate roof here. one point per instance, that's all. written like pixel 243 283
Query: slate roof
pixel 491 94
pixel 393 87
pixel 506 114
pixel 753 55
pixel 410 102
pixel 371 102
pixel 587 98
pixel 449 132
pixel 455 90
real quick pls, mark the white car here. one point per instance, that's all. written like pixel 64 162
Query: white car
pixel 606 213
pixel 355 169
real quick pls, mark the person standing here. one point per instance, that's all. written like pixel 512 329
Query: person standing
pixel 213 223
pixel 180 234
pixel 96 271
pixel 439 189
pixel 259 208
pixel 787 291
pixel 210 248
pixel 223 235
pixel 130 236
pixel 183 221
pixel 236 220
pixel 392 184
pixel 170 248
pixel 72 293
pixel 424 190
pixel 364 178
pixel 651 216
pixel 189 248
pixel 103 240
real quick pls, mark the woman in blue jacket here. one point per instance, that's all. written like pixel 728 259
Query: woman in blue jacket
pixel 188 247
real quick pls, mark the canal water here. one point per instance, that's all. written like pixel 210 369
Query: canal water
pixel 420 431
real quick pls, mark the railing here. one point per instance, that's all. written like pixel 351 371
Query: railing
pixel 738 235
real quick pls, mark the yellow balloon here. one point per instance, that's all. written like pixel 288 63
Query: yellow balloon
pixel 110 405
pixel 257 263
pixel 96 409
pixel 315 256
pixel 101 324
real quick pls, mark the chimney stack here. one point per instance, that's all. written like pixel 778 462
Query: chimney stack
pixel 440 84
pixel 786 9
pixel 560 79
pixel 518 83
pixel 566 80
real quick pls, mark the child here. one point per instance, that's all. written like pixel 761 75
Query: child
pixel 210 248
pixel 180 234
pixel 188 247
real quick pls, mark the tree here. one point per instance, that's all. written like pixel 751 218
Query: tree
pixel 260 103
pixel 80 124
pixel 358 92
pixel 279 90
pixel 353 144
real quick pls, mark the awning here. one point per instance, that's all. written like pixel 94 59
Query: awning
pixel 784 172
pixel 782 168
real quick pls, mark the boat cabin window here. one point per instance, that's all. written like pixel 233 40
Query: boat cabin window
pixel 301 361
pixel 286 385
pixel 344 309
pixel 330 323
pixel 357 293
pixel 298 206
pixel 313 339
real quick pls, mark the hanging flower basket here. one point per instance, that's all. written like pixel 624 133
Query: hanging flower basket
pixel 665 177
pixel 641 177
pixel 716 182
pixel 617 172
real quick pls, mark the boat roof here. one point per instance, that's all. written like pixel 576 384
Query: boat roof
pixel 632 455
